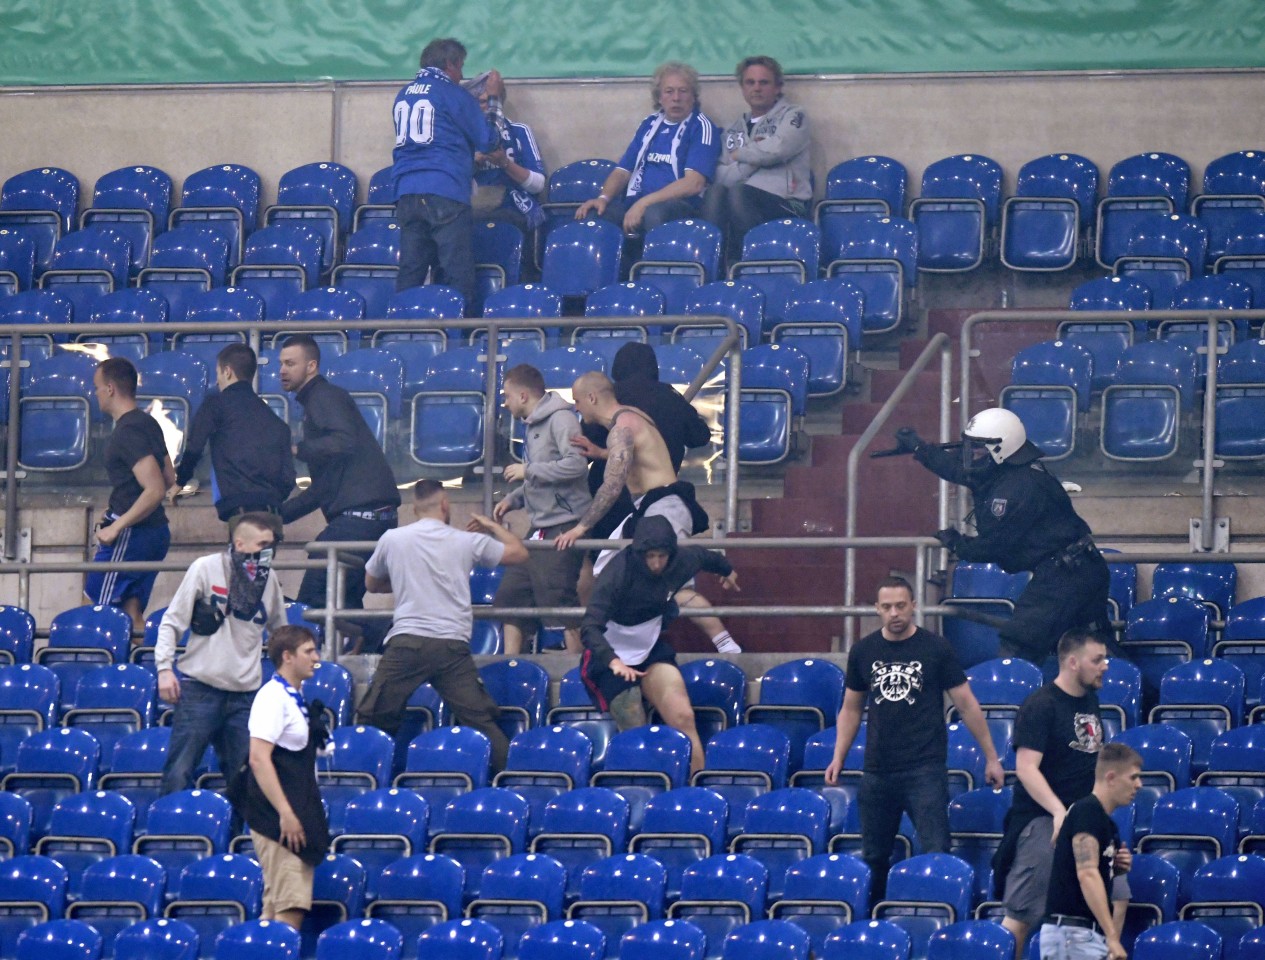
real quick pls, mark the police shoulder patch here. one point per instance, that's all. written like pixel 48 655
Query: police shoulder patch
pixel 999 507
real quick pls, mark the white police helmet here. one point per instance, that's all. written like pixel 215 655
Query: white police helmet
pixel 998 430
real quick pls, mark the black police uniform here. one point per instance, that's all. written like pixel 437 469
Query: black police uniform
pixel 1025 521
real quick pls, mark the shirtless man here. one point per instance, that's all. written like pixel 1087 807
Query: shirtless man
pixel 637 457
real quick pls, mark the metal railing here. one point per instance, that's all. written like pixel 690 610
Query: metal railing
pixel 1203 533
pixel 255 331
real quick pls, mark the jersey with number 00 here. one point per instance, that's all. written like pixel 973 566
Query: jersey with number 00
pixel 438 127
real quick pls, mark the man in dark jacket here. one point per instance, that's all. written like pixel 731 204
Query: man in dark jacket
pixel 352 483
pixel 250 445
pixel 1025 521
pixel 625 656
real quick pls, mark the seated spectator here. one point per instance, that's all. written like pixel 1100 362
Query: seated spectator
pixel 764 171
pixel 667 166
pixel 509 179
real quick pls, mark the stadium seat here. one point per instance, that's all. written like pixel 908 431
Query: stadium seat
pixel 745 762
pixel 467 939
pixel 28 705
pixel 1154 386
pixel 563 940
pixel 772 402
pixel 976 825
pixel 867 940
pixel 184 261
pixel 360 939
pixel 172 385
pixel 926 893
pixel 1202 698
pixel 60 939
pixel 1180 938
pixel 823 894
pixel 1162 633
pixel 641 762
pixel 664 940
pixel 526 301
pixel 40 205
pixel 135 769
pixel 781 829
pixel 87 265
pixel 361 763
pixel 375 380
pixel 370 264
pixel 823 319
pixel 17 635
pixel 1164 251
pixel 1137 187
pixel 1043 224
pixel 581 256
pixel 1233 185
pixel 870 186
pixel 521 690
pixel 81 639
pixel 1050 385
pixel 1243 642
pixel 1244 257
pixel 1252 945
pixel 32 891
pixel 630 301
pixel 520 893
pixel 416 893
pixel 338 896
pixel 545 763
pixel 560 366
pixel 498 256
pixel 380 203
pixel 172 940
pixel 1226 896
pixel 132 202
pixel 223 199
pixel 571 185
pixel 777 257
pixel 215 894
pixel 232 306
pixel 325 303
pixel 332 685
pixel 17 261
pixel 280 261
pixel 1106 340
pixel 677 258
pixel 1236 765
pixel 1120 697
pixel 425 303
pixel 575 709
pixel 185 827
pixel 111 702
pixel 986 587
pixel 956 214
pixel 321 197
pixel 1208 292
pixel 444 763
pixel 1241 402
pixel 85 829
pixel 130 305
pixel 117 892
pixel 380 827
pixel 680 828
pixel 879 256
pixel 580 827
pixel 479 827
pixel 800 697
pixel 620 893
pixel 1191 828
pixel 740 302
pixel 1212 584
pixel 15 826
pixel 720 894
pixel 767 940
pixel 718 694
pixel 1166 755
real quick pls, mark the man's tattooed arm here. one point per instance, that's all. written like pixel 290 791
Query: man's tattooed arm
pixel 619 459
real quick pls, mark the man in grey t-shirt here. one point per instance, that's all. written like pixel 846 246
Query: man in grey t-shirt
pixel 427 566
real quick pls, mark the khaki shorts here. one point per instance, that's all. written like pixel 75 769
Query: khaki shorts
pixel 287 879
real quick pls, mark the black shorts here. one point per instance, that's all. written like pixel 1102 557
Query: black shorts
pixel 602 683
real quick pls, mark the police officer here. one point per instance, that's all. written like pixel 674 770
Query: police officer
pixel 1025 521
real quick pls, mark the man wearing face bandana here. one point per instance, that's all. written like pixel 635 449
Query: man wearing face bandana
pixel 225 601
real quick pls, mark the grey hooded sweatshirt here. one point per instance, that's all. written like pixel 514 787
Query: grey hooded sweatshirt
pixel 556 488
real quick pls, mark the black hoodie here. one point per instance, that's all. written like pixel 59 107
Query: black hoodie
pixel 628 593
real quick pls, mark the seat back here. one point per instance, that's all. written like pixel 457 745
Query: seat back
pixel 870 186
pixel 581 256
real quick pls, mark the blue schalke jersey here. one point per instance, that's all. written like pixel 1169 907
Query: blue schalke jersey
pixel 438 127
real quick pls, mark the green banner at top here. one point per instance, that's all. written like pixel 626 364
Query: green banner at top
pixel 49 42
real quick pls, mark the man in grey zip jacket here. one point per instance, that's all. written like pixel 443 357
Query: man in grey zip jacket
pixel 764 172
pixel 555 493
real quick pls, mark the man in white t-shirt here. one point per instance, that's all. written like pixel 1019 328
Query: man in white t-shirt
pixel 279 798
pixel 427 566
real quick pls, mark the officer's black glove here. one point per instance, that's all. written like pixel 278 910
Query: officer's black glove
pixel 950 537
pixel 908 441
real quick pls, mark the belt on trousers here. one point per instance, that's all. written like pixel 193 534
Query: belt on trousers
pixel 381 513
pixel 1073 552
pixel 1063 920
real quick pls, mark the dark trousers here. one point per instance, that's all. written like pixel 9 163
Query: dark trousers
pixel 205 715
pixel 1060 596
pixel 410 661
pixel 656 214
pixel 923 793
pixel 738 208
pixel 312 589
pixel 435 232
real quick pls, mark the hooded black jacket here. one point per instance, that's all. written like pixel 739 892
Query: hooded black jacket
pixel 628 593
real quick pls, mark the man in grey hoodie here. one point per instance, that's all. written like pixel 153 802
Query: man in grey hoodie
pixel 555 493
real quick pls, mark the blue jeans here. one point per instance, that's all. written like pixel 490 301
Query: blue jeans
pixel 206 716
pixel 923 793
pixel 435 232
pixel 1071 943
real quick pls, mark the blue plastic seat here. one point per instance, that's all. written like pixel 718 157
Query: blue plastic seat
pixel 563 940
pixel 15 826
pixel 630 301
pixel 1236 765
pixel 498 256
pixel 664 940
pixel 135 769
pixel 1190 828
pixel 677 258
pixel 130 305
pixel 772 402
pixel 1164 251
pixel 867 940
pixel 223 199
pixel 642 762
pixel 1241 401
pixel 926 893
pixel 1143 409
pixel 370 264
pixel 85 829
pixel 620 893
pixel 1166 759
pixel 185 827
pixel 777 257
pixel 1137 186
pixel 1234 185
pixel 280 261
pixel 520 893
pixel 17 261
pixel 28 705
pixel 561 366
pixel 1202 698
pixel 32 891
pixel 1243 642
pixel 321 196
pixel 338 896
pixel 879 256
pixel 1002 685
pixel 976 824
pixel 783 828
pixel 81 639
pixel 1050 386
pixel 443 763
pixel 767 940
pixel 258 940
pixel 467 939
pixel 1209 292
pixel 1154 885
pixel 381 827
pixel 987 587
pixel 87 265
pixel 119 891
pixel 1226 896
pixel 681 827
pixel 231 306
pixel 580 827
pixel 360 939
pixel 333 685
pixel 111 702
pixel 545 763
pixel 134 203
pixel 822 894
pixel 380 197
pixel 823 319
pixel 172 385
pixel 870 186
pixel 215 894
pixel 1244 256
pixel 521 689
pixel 325 303
pixel 581 256
pixel 956 214
pixel 1180 938
pixel 720 894
pixel 1212 584
pixel 361 763
pixel 163 939
pixel 718 694
pixel 971 940
pixel 1043 224
pixel 1120 698
pixel 375 380
pixel 480 827
pixel 745 762
pixel 184 261
pixel 575 708
pixel 1162 633
pixel 17 635
pixel 416 893
pixel 59 940
pixel 571 185
pixel 40 205
pixel 800 697
pixel 740 302
pixel 526 301
pixel 425 303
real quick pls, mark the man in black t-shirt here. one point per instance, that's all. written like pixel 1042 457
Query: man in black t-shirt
pixel 1058 735
pixel 1088 856
pixel 904 672
pixel 134 527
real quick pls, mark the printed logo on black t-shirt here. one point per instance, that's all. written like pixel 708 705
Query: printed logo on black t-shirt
pixel 896 681
pixel 1088 733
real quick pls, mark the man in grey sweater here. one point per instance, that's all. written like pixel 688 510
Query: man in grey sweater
pixel 555 493
pixel 225 601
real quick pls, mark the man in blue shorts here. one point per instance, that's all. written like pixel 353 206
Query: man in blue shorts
pixel 438 129
pixel 667 166
pixel 134 527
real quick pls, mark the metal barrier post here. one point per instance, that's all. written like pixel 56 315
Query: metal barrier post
pixel 1207 539
pixel 11 450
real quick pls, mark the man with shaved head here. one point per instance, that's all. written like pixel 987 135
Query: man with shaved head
pixel 637 457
